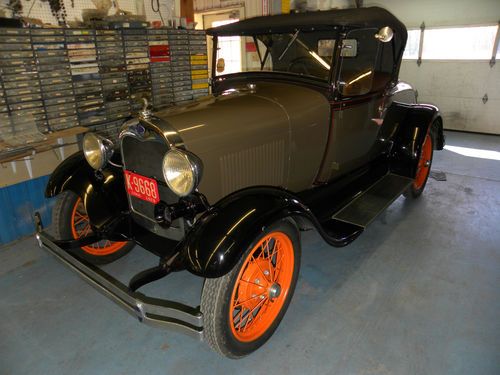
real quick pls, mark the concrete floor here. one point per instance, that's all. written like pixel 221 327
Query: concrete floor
pixel 417 293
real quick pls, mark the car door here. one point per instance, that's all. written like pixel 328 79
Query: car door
pixel 356 110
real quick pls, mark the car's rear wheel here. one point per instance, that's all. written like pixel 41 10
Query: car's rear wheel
pixel 243 308
pixel 70 221
pixel 423 169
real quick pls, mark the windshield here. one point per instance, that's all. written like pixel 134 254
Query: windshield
pixel 300 53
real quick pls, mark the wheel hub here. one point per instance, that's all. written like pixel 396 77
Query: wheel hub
pixel 274 291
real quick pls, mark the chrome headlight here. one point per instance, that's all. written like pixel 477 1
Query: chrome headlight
pixel 97 150
pixel 182 171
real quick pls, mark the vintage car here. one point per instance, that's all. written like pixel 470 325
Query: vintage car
pixel 313 131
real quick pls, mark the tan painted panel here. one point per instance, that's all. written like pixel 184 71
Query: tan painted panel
pixel 13 172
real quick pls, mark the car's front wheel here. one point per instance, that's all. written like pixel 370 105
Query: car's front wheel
pixel 70 221
pixel 243 308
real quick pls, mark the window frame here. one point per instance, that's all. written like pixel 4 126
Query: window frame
pixel 424 34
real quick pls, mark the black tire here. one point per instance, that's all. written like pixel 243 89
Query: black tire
pixel 217 295
pixel 62 216
pixel 415 190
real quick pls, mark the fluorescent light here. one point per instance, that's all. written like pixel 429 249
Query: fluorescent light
pixel 320 60
pixel 360 77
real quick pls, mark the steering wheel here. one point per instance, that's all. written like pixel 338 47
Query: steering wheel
pixel 300 65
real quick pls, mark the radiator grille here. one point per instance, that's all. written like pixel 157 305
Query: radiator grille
pixel 145 158
pixel 261 165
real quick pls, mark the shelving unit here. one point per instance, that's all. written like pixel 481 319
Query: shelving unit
pixel 54 79
pixel 181 67
pixel 26 119
pixel 161 67
pixel 199 62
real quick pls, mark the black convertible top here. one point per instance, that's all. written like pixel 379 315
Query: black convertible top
pixel 320 20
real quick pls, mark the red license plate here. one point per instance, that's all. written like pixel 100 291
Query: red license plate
pixel 142 187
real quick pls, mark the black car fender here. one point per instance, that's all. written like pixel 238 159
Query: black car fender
pixel 408 125
pixel 102 192
pixel 220 236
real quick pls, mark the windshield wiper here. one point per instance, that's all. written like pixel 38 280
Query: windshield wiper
pixel 318 58
pixel 289 44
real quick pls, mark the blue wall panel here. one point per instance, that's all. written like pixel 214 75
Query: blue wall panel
pixel 18 203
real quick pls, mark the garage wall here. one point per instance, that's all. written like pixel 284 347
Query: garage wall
pixel 455 86
pixel 442 12
pixel 18 203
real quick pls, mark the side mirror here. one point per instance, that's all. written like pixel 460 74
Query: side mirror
pixel 385 34
pixel 221 65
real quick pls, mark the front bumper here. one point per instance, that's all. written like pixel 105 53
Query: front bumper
pixel 149 310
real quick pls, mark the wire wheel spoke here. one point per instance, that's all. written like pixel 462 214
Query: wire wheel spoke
pixel 249 317
pixel 238 303
pixel 81 227
pixel 256 262
pixel 262 286
pixel 277 268
pixel 251 282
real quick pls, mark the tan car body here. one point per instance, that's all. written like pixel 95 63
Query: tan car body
pixel 275 134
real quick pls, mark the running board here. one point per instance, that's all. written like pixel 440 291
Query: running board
pixel 366 207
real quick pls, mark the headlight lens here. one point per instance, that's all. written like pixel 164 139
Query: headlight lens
pixel 182 171
pixel 97 150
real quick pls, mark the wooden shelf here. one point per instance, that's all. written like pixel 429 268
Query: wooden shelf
pixel 36 147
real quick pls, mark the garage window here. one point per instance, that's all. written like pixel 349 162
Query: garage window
pixel 461 43
pixel 411 50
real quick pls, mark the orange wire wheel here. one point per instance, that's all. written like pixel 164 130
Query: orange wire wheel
pixel 242 309
pixel 71 221
pixel 424 164
pixel 262 286
pixel 80 227
pixel 423 168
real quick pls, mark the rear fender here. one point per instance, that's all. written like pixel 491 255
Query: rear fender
pixel 103 193
pixel 410 124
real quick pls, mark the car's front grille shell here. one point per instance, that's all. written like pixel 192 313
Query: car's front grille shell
pixel 145 157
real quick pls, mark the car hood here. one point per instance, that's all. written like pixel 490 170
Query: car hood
pixel 210 122
pixel 245 135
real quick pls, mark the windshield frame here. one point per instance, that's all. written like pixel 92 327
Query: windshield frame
pixel 282 75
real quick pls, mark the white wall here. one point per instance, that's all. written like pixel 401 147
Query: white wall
pixel 442 12
pixel 433 12
pixel 456 87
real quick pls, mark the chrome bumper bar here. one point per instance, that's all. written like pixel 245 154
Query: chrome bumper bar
pixel 149 310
